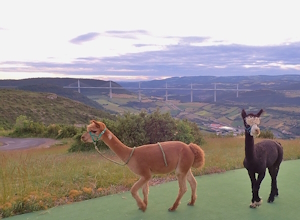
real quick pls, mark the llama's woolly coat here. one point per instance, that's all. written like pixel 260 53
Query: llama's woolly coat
pixel 267 153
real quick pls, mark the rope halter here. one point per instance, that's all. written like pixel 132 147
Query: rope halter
pixel 96 148
pixel 98 137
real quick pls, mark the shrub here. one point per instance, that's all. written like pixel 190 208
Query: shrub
pixel 195 132
pixel 139 129
pixel 266 134
pixel 183 132
pixel 26 127
pixel 130 129
pixel 160 127
pixel 52 130
pixel 67 131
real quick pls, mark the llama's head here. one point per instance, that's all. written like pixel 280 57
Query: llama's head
pixel 94 132
pixel 251 122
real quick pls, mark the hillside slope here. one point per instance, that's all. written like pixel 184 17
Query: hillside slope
pixel 67 83
pixel 47 108
pixel 67 93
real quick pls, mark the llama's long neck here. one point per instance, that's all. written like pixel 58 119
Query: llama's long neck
pixel 120 149
pixel 249 146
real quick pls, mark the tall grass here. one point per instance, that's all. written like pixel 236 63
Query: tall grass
pixel 38 179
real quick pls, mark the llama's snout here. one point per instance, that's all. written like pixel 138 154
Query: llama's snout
pixel 255 131
pixel 83 138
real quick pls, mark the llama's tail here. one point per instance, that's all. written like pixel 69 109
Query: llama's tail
pixel 280 153
pixel 199 159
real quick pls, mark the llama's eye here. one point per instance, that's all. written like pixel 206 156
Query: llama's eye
pixel 94 132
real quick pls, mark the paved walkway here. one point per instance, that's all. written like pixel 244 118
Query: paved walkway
pixel 8 143
pixel 220 196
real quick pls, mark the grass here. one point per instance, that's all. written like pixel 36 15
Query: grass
pixel 38 179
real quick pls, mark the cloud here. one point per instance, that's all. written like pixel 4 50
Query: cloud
pixel 178 60
pixel 192 40
pixel 126 34
pixel 84 38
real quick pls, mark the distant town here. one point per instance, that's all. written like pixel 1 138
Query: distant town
pixel 223 130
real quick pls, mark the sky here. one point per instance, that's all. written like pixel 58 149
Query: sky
pixel 137 40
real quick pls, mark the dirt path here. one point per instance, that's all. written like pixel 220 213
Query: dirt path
pixel 7 143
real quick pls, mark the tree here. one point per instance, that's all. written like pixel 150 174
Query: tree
pixel 183 132
pixel 129 128
pixel 160 127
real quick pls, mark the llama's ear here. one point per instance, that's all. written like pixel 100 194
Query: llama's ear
pixel 96 123
pixel 260 112
pixel 244 114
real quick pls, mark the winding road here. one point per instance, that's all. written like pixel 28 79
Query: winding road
pixel 7 143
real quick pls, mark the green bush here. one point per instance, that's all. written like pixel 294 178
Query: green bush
pixel 67 131
pixel 130 129
pixel 160 127
pixel 52 130
pixel 26 127
pixel 183 132
pixel 266 134
pixel 139 129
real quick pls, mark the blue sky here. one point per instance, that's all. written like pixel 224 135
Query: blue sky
pixel 143 40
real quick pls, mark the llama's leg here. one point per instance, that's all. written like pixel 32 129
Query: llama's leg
pixel 253 181
pixel 134 191
pixel 274 190
pixel 255 184
pixel 146 192
pixel 182 189
pixel 256 187
pixel 193 183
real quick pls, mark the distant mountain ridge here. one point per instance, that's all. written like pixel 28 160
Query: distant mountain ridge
pixel 267 89
pixel 53 81
pixel 246 82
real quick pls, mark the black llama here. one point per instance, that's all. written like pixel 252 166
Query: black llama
pixel 258 157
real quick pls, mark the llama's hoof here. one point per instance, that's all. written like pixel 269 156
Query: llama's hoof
pixel 143 208
pixel 255 204
pixel 172 209
pixel 190 204
pixel 271 199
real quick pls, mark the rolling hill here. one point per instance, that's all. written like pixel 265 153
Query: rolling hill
pixel 65 82
pixel 67 93
pixel 48 108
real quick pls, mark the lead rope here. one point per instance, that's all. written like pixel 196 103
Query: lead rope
pixel 96 148
pixel 121 164
pixel 165 160
pixel 95 144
